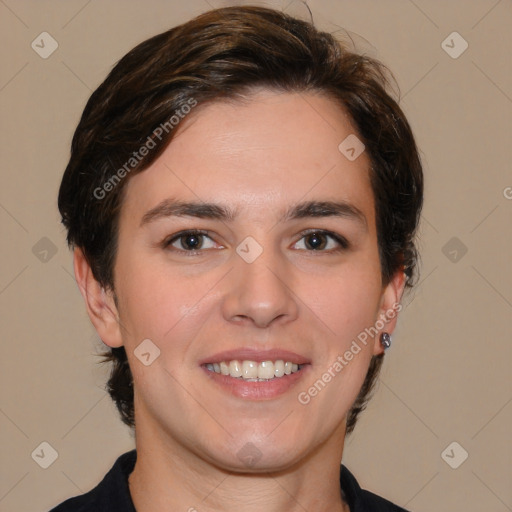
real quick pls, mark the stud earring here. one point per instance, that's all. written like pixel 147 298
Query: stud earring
pixel 385 340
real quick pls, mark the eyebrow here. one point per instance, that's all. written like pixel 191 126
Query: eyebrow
pixel 308 209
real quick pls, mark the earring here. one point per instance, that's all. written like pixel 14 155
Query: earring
pixel 385 340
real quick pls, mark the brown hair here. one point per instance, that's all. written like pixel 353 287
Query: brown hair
pixel 222 54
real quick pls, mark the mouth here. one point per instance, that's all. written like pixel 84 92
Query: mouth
pixel 253 371
pixel 255 374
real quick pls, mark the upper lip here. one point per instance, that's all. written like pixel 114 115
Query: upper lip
pixel 257 355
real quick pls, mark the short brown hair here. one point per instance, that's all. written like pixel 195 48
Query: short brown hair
pixel 222 54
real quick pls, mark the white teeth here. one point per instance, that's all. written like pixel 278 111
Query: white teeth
pixel 235 369
pixel 279 368
pixel 224 368
pixel 252 371
pixel 266 370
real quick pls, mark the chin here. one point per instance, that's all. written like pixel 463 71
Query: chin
pixel 248 454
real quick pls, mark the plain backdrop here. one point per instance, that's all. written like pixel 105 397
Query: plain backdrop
pixel 446 378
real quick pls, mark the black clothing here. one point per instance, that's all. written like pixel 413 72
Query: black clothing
pixel 113 494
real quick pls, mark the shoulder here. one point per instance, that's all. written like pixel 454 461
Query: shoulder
pixel 83 503
pixel 110 495
pixel 360 500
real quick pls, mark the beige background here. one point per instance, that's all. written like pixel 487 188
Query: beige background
pixel 447 376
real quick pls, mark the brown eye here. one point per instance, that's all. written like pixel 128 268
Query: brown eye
pixel 315 241
pixel 321 241
pixel 189 241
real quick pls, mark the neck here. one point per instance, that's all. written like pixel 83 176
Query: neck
pixel 167 476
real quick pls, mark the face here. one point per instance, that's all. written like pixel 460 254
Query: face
pixel 251 238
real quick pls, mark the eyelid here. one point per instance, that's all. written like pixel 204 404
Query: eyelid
pixel 339 239
pixel 169 240
pixel 342 242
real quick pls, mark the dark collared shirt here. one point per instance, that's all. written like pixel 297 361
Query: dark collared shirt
pixel 113 493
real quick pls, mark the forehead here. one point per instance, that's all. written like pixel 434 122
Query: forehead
pixel 256 156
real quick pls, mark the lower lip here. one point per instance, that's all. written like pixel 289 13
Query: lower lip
pixel 264 390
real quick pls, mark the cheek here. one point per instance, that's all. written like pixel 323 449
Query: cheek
pixel 152 301
pixel 345 301
pixel 344 306
pixel 166 307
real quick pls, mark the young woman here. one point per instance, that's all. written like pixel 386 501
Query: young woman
pixel 242 199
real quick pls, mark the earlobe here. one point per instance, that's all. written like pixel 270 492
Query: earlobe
pixel 389 309
pixel 99 303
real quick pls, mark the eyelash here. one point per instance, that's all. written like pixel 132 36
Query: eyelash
pixel 342 242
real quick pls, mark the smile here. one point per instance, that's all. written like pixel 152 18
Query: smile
pixel 253 371
pixel 251 380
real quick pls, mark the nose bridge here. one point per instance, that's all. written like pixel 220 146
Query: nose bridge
pixel 259 289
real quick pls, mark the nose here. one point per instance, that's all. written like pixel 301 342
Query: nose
pixel 260 293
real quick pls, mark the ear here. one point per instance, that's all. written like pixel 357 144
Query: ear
pixel 99 303
pixel 389 308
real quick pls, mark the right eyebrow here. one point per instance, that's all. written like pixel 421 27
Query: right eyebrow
pixel 173 208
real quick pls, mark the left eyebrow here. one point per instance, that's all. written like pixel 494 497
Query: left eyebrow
pixel 316 209
pixel 309 209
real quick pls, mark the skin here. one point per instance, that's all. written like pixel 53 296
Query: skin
pixel 258 157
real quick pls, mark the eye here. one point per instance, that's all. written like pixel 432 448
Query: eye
pixel 319 240
pixel 190 241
